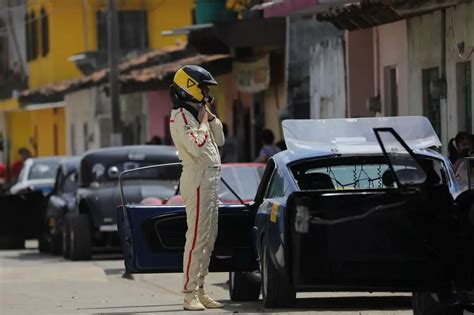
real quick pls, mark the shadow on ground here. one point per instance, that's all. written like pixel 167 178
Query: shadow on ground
pixel 334 304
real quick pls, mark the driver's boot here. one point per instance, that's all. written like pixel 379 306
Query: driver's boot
pixel 207 301
pixel 191 302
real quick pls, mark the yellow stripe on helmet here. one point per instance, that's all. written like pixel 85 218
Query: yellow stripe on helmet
pixel 184 81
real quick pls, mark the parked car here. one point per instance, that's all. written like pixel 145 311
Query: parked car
pixel 93 223
pixel 23 206
pixel 61 201
pixel 240 180
pixel 349 206
pixel 37 174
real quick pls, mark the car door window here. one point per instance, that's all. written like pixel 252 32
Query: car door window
pixel 278 186
pixel 70 183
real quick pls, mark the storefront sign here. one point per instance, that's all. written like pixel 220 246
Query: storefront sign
pixel 252 77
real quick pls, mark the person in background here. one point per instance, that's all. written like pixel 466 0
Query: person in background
pixel 3 175
pixel 17 165
pixel 281 145
pixel 155 140
pixel 459 147
pixel 268 149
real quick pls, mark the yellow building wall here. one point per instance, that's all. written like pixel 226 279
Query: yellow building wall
pixel 44 122
pixel 168 15
pixel 19 132
pixel 73 29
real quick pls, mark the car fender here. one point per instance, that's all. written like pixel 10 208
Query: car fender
pixel 271 232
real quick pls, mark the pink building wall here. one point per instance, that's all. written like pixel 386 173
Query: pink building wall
pixel 289 6
pixel 360 72
pixel 159 108
pixel 393 51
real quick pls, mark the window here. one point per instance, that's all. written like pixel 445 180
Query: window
pixel 72 139
pixel 431 96
pixel 28 37
pixel 85 134
pixel 278 186
pixel 391 91
pixel 34 36
pixel 133 30
pixel 464 95
pixel 44 33
pixel 55 139
pixel 70 183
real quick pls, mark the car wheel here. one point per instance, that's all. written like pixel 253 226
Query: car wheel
pixel 424 304
pixel 56 246
pixel 244 286
pixel 12 243
pixel 80 237
pixel 43 243
pixel 66 238
pixel 277 290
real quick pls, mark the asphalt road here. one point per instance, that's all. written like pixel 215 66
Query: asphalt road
pixel 33 283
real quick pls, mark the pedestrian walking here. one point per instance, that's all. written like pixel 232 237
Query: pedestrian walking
pixel 197 133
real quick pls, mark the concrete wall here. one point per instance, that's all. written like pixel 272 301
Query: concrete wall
pixel 13 18
pixel 302 35
pixel 425 51
pixel 79 113
pixel 392 52
pixel 463 16
pixel 327 80
pixel 360 74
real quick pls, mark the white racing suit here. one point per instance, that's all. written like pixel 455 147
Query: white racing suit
pixel 197 146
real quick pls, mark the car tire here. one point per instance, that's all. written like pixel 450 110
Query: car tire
pixel 277 290
pixel 56 246
pixel 66 238
pixel 43 243
pixel 423 303
pixel 12 243
pixel 244 286
pixel 80 237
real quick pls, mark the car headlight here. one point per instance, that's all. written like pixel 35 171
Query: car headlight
pixel 302 219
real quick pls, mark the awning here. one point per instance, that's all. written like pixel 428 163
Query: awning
pixel 137 70
pixel 370 13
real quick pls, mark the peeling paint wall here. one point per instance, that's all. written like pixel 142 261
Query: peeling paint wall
pixel 81 134
pixel 303 34
pixel 327 80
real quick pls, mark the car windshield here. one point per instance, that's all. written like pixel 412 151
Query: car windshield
pixel 244 180
pixel 43 169
pixel 112 172
pixel 363 172
pixel 147 186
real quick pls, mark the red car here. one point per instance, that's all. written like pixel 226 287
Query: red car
pixel 243 178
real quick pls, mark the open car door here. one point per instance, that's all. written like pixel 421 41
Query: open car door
pixel 22 218
pixel 398 233
pixel 153 236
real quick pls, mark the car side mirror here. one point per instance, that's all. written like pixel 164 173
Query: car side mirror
pixel 113 172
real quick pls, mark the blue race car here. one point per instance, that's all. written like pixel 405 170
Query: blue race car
pixel 352 205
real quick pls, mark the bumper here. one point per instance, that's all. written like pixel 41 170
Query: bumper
pixel 108 228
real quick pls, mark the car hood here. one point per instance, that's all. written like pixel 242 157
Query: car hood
pixel 35 184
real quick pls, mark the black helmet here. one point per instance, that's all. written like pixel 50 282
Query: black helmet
pixel 189 82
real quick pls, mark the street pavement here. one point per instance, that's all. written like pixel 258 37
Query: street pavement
pixel 33 283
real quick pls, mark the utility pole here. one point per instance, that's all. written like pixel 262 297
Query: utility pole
pixel 113 53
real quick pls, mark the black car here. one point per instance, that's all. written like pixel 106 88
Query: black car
pixel 61 201
pixel 92 222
